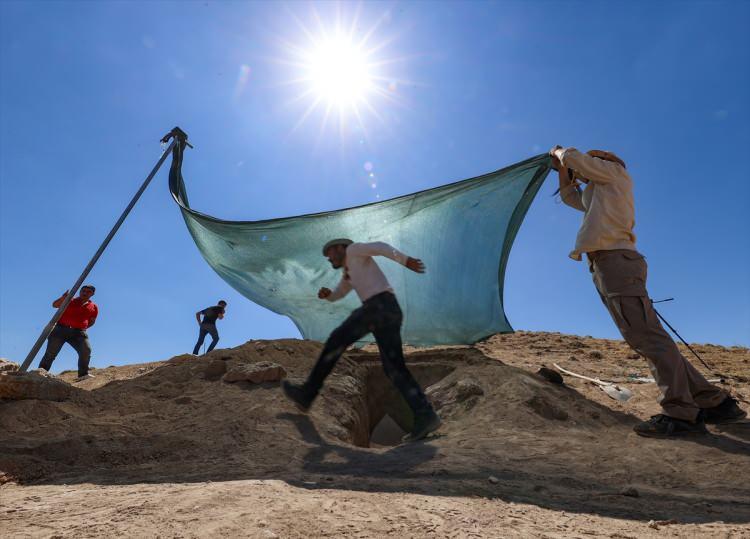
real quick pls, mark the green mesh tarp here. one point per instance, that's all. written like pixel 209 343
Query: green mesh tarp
pixel 462 231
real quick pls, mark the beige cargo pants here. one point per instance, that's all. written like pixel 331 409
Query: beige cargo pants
pixel 620 278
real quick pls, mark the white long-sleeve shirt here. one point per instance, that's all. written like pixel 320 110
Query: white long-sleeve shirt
pixel 362 273
pixel 607 203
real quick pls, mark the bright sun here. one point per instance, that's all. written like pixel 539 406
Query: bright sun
pixel 338 72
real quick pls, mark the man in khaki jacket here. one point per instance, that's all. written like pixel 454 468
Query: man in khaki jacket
pixel 606 236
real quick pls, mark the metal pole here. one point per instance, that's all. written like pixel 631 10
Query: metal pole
pixel 51 325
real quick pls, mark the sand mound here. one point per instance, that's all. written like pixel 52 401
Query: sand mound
pixel 508 433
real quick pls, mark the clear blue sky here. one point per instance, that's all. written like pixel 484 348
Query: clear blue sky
pixel 89 88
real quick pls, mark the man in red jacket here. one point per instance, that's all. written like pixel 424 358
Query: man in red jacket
pixel 79 315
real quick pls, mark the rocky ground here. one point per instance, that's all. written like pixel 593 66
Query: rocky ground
pixel 195 447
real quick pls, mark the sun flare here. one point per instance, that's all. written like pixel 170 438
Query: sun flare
pixel 338 72
pixel 343 73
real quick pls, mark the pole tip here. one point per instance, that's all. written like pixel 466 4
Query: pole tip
pixel 177 134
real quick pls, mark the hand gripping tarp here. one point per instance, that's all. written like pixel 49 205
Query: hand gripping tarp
pixel 462 231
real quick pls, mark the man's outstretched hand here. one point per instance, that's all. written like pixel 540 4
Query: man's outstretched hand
pixel 556 164
pixel 415 265
pixel 324 292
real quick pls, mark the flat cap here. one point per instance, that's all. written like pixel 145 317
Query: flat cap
pixel 337 241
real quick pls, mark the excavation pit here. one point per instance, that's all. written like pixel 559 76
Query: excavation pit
pixel 384 417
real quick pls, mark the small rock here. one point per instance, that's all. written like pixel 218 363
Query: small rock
pixel 652 524
pixel 6 365
pixel 596 354
pixel 492 479
pixel 631 492
pixel 257 373
pixel 634 356
pixel 550 375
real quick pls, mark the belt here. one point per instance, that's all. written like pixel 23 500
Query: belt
pixel 70 327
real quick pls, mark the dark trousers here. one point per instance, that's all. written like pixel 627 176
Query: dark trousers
pixel 76 338
pixel 206 329
pixel 620 278
pixel 381 316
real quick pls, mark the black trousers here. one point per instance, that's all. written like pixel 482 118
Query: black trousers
pixel 76 338
pixel 206 329
pixel 381 316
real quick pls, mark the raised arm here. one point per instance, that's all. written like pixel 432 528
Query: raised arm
pixel 377 248
pixel 570 193
pixel 591 168
pixel 59 301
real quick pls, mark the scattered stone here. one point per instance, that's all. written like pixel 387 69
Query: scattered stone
pixel 492 479
pixel 630 492
pixel 634 356
pixel 257 373
pixel 37 384
pixel 550 375
pixel 596 354
pixel 6 365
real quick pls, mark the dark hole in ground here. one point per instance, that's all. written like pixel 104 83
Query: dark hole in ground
pixel 386 433
pixel 385 412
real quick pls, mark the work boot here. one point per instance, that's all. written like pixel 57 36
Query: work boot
pixel 424 424
pixel 726 412
pixel 663 426
pixel 298 394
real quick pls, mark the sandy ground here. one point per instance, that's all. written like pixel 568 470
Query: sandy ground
pixel 170 450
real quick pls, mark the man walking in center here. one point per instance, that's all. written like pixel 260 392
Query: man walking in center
pixel 687 399
pixel 208 325
pixel 79 315
pixel 380 315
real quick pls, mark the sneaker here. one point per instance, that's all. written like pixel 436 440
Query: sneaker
pixel 298 395
pixel 726 412
pixel 424 424
pixel 663 426
pixel 84 377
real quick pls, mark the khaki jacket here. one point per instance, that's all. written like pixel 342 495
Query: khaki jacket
pixel 607 203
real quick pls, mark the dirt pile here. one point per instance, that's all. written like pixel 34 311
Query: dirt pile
pixel 565 448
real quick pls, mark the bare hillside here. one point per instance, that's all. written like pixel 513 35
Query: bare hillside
pixel 176 449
